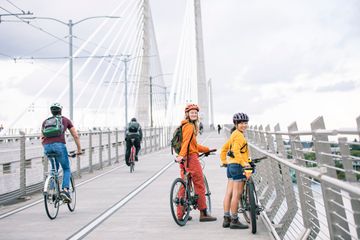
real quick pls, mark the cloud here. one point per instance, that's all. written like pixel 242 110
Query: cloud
pixel 343 86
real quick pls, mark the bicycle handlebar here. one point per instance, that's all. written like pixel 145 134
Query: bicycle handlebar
pixel 256 160
pixel 205 154
pixel 73 154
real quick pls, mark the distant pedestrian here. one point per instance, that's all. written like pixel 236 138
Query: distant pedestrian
pixel 219 128
pixel 1 127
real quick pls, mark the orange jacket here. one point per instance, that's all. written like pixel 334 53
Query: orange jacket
pixel 188 130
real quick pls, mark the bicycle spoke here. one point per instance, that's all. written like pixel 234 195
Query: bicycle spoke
pixel 51 198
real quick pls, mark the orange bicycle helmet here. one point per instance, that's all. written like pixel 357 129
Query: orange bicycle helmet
pixel 191 106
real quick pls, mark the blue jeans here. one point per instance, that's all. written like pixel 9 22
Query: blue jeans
pixel 61 158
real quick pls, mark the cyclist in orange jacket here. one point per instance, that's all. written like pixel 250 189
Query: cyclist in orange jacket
pixel 237 151
pixel 190 153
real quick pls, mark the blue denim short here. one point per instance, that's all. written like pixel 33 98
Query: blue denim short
pixel 235 172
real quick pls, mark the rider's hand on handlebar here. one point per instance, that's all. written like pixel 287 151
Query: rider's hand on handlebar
pixel 179 159
pixel 210 151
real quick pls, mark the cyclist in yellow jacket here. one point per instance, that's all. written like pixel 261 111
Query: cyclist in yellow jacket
pixel 237 151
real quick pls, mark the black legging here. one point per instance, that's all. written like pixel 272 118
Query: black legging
pixel 129 145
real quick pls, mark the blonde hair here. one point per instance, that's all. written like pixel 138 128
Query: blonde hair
pixel 196 122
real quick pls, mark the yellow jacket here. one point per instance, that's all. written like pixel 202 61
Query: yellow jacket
pixel 238 145
pixel 188 130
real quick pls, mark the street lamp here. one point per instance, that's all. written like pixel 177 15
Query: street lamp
pixel 70 25
pixel 151 97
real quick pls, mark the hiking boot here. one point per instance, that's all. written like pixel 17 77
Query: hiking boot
pixel 226 222
pixel 66 196
pixel 236 224
pixel 205 217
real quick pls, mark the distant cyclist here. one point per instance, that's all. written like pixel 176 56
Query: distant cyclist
pixel 53 140
pixel 133 136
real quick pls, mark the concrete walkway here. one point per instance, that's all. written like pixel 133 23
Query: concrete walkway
pixel 145 216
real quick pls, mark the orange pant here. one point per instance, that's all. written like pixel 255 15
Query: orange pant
pixel 193 166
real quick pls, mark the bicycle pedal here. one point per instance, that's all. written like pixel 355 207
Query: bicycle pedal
pixel 260 209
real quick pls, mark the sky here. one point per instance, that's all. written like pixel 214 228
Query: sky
pixel 278 61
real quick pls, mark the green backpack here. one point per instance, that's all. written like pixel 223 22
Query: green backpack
pixel 53 127
pixel 176 140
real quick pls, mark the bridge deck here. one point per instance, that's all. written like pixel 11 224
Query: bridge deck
pixel 145 216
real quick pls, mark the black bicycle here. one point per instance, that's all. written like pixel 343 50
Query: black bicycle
pixel 249 204
pixel 52 193
pixel 183 197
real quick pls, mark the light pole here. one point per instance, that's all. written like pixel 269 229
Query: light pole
pixel 70 25
pixel 151 93
pixel 126 60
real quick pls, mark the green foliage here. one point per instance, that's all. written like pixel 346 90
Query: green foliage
pixel 355 152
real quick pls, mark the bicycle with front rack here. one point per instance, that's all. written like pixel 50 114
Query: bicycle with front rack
pixel 183 197
pixel 250 206
pixel 51 190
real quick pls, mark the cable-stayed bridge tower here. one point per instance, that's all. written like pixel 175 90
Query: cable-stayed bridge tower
pixel 189 81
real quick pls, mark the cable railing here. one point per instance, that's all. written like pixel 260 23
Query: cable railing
pixel 309 188
pixel 23 164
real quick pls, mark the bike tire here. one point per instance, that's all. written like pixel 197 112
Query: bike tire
pixel 253 206
pixel 51 197
pixel 132 167
pixel 132 159
pixel 244 203
pixel 72 190
pixel 181 202
pixel 207 195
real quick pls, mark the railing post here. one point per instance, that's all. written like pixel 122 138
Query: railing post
pixel 116 145
pixel 109 145
pixel 288 187
pixel 265 189
pixel 307 203
pixel 100 150
pixel 145 140
pixel 90 152
pixel 22 164
pixel 276 177
pixel 333 202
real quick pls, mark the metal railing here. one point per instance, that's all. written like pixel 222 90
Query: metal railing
pixel 23 165
pixel 309 183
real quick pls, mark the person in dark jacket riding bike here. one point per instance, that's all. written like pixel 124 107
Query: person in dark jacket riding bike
pixel 133 136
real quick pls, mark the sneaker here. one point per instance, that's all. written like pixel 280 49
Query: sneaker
pixel 66 196
pixel 226 222
pixel 236 224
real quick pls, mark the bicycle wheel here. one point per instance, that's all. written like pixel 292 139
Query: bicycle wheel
pixel 132 159
pixel 179 202
pixel 253 206
pixel 71 205
pixel 51 197
pixel 207 195
pixel 132 167
pixel 244 203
